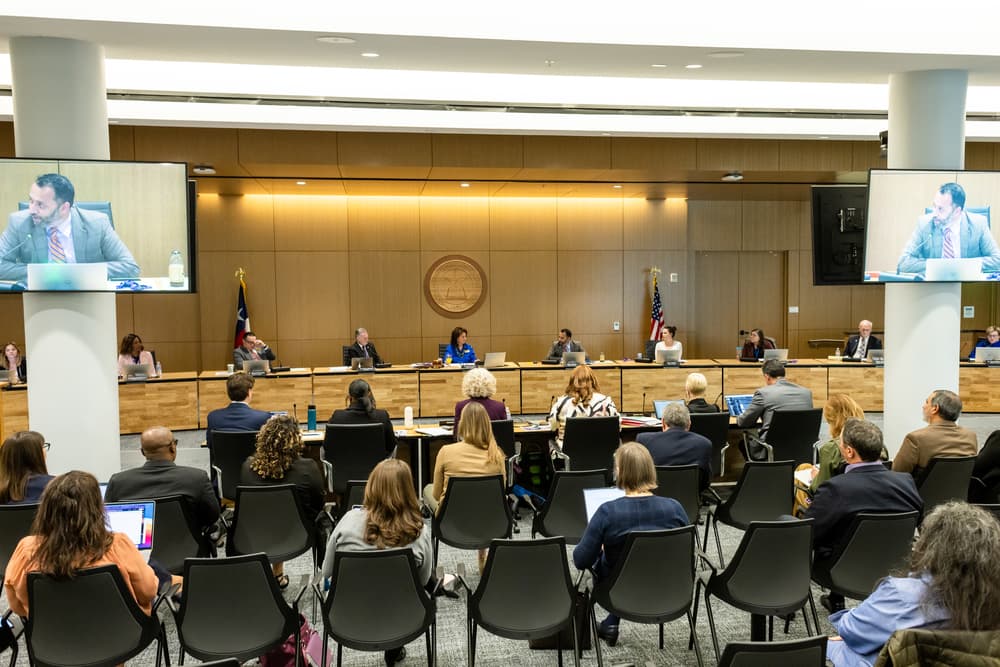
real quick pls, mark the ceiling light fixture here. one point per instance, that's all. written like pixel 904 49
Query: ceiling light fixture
pixel 300 182
pixel 733 177
pixel 723 55
pixel 369 54
pixel 203 169
pixel 617 187
pixel 658 65
pixel 335 39
pixel 464 185
pixel 692 66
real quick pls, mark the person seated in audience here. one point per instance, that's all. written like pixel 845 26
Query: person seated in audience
pixel 389 518
pixel 458 349
pixel 251 349
pixel 952 582
pixel 865 486
pixel 13 360
pixel 941 438
pixel 838 409
pixel 160 477
pixel 564 343
pixel 238 415
pixel 858 345
pixel 604 539
pixel 675 445
pixel 985 484
pixel 667 341
pixel 133 352
pixel 361 410
pixel 755 344
pixel 694 393
pixel 278 460
pixel 23 474
pixel 776 394
pixel 363 348
pixel 70 534
pixel 992 340
pixel 583 398
pixel 479 385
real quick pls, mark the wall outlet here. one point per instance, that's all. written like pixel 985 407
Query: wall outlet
pixel 793 309
pixel 616 325
pixel 674 278
pixel 968 312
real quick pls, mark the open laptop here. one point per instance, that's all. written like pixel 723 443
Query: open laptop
pixel 495 359
pixel 594 498
pixel 660 406
pixel 988 355
pixel 362 364
pixel 256 366
pixel 738 403
pixel 877 357
pixel 780 355
pixel 138 372
pixel 135 519
pixel 574 358
pixel 668 357
pixel 954 269
pixel 69 277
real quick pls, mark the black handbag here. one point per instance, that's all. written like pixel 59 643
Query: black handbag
pixel 564 638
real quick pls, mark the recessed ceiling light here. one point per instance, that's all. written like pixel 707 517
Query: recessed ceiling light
pixel 550 63
pixel 605 134
pixel 335 39
pixel 464 185
pixel 658 65
pixel 823 136
pixel 733 177
pixel 203 169
pixel 369 54
pixel 725 54
pixel 692 66
pixel 617 187
pixel 300 182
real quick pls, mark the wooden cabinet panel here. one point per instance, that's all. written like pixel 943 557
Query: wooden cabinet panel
pixel 306 222
pixel 454 223
pixel 13 411
pixel 174 402
pixel 979 388
pixel 641 385
pixel 393 391
pixel 863 383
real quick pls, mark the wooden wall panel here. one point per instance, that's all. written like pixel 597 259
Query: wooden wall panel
pixel 383 223
pixel 571 158
pixel 980 297
pixel 311 301
pixel 610 344
pixel 800 155
pixel 715 225
pixel 288 153
pixel 762 294
pixel 121 139
pixel 866 155
pixel 195 145
pixel 382 155
pixel 523 290
pixel 218 298
pixel 386 295
pixel 167 317
pixel 773 225
pixel 463 156
pixel 7 139
pixel 235 223
pixel 823 306
pixel 303 222
pixel 452 223
pixel 740 154
pixel 519 223
pixel 124 316
pixel 867 303
pixel 979 155
pixel 12 319
pixel 638 299
pixel 590 224
pixel 653 158
pixel 655 224
pixel 523 349
pixel 590 290
pixel 715 306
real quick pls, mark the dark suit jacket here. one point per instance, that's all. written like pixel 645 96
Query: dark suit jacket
pixel 865 489
pixel 675 447
pixel 852 345
pixel 355 414
pixel 236 417
pixel 303 473
pixel 782 395
pixel 157 479
pixel 987 470
pixel 240 355
pixel 558 348
pixel 701 406
pixel 357 351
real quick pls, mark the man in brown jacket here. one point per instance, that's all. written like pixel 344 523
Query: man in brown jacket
pixel 941 438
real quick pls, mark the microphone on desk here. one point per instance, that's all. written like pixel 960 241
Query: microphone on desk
pixel 643 402
pixel 295 411
pixel 716 401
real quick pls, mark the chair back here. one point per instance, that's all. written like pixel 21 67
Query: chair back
pixel 473 513
pixel 177 534
pixel 945 479
pixel 91 619
pixel 763 493
pixel 503 433
pixel 590 442
pixel 353 495
pixel 525 591
pixel 653 580
pixel 228 452
pixel 15 523
pixel 792 434
pixel 875 544
pixel 269 519
pixel 232 608
pixel 682 484
pixel 565 512
pixel 993 509
pixel 346 351
pixel 442 350
pixel 353 450
pixel 808 652
pixel 376 600
pixel 715 427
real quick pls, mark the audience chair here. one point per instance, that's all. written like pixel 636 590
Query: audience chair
pixel 945 479
pixel 232 608
pixel 178 534
pixel 523 574
pixel 993 509
pixel 474 512
pixel 715 427
pixel 651 583
pixel 768 575
pixel 763 493
pixel 376 603
pixel 808 652
pixel 353 450
pixel 589 443
pixel 91 619
pixel 874 545
pixel 226 455
pixel 565 514
pixel 15 523
pixel 354 494
pixel 270 520
pixel 10 632
pixel 346 352
pixel 503 433
pixel 682 484
pixel 791 435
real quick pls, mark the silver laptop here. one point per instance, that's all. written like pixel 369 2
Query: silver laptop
pixel 878 356
pixel 359 363
pixel 955 269
pixel 138 372
pixel 495 360
pixel 69 277
pixel 594 498
pixel 780 355
pixel 668 357
pixel 256 366
pixel 660 406
pixel 575 358
pixel 134 519
pixel 987 354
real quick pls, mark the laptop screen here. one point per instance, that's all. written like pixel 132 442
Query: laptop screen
pixel 738 403
pixel 135 519
pixel 660 406
pixel 594 498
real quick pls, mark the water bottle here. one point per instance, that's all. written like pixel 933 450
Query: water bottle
pixel 836 352
pixel 175 269
pixel 408 416
pixel 159 369
pixel 311 417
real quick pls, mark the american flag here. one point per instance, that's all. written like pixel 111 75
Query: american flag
pixel 242 316
pixel 656 319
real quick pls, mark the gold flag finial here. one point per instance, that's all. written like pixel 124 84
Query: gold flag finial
pixel 240 273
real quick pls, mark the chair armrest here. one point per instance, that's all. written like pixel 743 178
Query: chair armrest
pixel 328 475
pixel 218 481
pixel 750 437
pixel 816 446
pixel 302 589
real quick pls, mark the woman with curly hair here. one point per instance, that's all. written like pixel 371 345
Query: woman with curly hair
pixel 278 460
pixel 70 534
pixel 479 385
pixel 23 473
pixel 952 583
pixel 583 398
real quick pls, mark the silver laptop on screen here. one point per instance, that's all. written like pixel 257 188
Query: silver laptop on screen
pixel 69 277
pixel 256 366
pixel 138 371
pixel 594 498
pixel 954 269
pixel 495 359
pixel 780 355
pixel 987 354
pixel 668 356
pixel 577 358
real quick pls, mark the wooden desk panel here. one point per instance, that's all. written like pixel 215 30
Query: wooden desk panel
pixel 658 382
pixel 441 388
pixel 393 391
pixel 13 411
pixel 813 378
pixel 863 383
pixel 276 392
pixel 540 383
pixel 979 388
pixel 171 401
pixel 747 379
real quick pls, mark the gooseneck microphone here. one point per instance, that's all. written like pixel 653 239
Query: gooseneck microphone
pixel 10 253
pixel 643 403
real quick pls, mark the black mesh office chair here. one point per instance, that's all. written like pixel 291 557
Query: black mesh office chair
pixel 178 534
pixel 565 513
pixel 353 450
pixel 226 455
pixel 474 511
pixel 791 434
pixel 589 443
pixel 682 484
pixel 808 652
pixel 945 479
pixel 715 427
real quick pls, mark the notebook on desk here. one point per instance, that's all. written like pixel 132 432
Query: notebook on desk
pixel 594 498
pixel 738 403
pixel 134 519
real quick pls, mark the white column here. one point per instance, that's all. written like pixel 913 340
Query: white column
pixel 926 131
pixel 60 111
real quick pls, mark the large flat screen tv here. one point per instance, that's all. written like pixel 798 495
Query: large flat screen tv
pixel 931 226
pixel 94 225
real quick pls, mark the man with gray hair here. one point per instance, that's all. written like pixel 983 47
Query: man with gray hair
pixel 941 438
pixel 362 347
pixel 857 346
pixel 865 486
pixel 675 445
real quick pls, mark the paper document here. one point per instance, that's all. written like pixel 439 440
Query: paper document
pixel 434 431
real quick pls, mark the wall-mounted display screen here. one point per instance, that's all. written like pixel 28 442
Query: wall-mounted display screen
pixel 931 225
pixel 93 226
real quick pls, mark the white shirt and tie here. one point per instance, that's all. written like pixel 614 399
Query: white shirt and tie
pixel 862 348
pixel 60 237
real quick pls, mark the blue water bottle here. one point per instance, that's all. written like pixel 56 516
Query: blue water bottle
pixel 311 417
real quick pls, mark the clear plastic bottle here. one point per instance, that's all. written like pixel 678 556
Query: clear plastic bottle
pixel 837 352
pixel 175 269
pixel 159 369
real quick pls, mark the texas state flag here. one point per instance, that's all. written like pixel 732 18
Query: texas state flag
pixel 242 316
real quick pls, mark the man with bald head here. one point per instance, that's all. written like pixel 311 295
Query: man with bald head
pixel 160 476
pixel 858 346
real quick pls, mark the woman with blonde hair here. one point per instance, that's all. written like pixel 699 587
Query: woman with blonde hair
pixel 13 360
pixel 603 540
pixel 475 454
pixel 479 385
pixel 838 409
pixel 583 398
pixel 23 473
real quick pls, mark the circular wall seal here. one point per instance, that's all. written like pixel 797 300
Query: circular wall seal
pixel 455 286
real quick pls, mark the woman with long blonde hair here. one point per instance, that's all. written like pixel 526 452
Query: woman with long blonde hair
pixel 838 409
pixel 475 454
pixel 583 398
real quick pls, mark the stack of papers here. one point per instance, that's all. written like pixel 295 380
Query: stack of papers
pixel 434 430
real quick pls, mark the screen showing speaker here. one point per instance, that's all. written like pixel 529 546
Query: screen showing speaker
pixel 931 226
pixel 95 225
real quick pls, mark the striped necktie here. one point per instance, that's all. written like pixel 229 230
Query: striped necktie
pixel 948 249
pixel 57 254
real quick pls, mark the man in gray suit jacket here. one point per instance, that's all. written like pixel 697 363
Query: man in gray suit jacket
pixel 51 222
pixel 776 394
pixel 564 343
